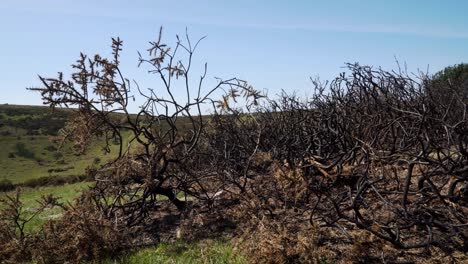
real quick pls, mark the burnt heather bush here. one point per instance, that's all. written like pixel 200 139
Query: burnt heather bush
pixel 372 150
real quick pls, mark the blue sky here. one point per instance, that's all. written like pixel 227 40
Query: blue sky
pixel 272 44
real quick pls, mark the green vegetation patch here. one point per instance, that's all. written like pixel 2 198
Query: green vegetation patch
pixel 31 157
pixel 206 251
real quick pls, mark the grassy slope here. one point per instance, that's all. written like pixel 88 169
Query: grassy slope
pixel 15 124
pixel 207 251
pixel 20 169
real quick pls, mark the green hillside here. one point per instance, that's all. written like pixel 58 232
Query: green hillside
pixel 30 160
pixel 27 150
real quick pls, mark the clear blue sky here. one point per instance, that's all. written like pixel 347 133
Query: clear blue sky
pixel 273 44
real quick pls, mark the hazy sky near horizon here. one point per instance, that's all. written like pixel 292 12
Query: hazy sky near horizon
pixel 272 44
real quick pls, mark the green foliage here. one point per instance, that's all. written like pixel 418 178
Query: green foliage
pixel 456 74
pixel 453 78
pixel 24 152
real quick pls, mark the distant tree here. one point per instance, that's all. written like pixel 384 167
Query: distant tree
pixel 453 80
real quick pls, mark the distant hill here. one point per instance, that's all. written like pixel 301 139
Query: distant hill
pixel 17 120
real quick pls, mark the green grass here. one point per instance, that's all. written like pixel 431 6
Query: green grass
pixel 20 169
pixel 30 197
pixel 37 157
pixel 207 251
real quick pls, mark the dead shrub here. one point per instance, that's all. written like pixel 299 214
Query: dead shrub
pixel 282 241
pixel 15 244
pixel 82 234
pixel 12 248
